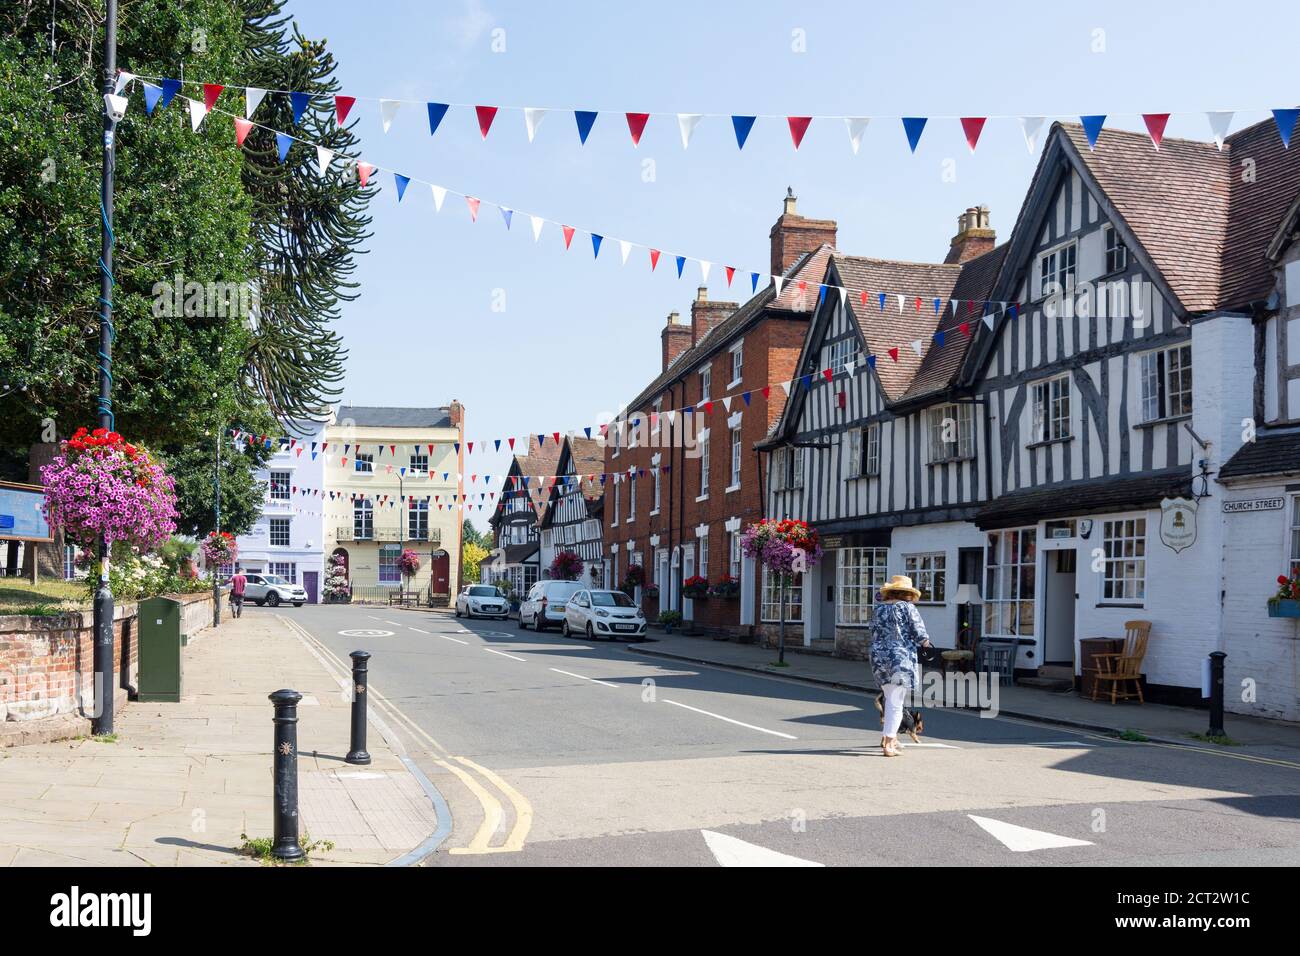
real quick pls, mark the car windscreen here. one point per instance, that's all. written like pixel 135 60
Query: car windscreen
pixel 611 599
pixel 482 592
pixel 562 590
pixel 273 579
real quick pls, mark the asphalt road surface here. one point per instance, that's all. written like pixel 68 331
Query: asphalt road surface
pixel 555 751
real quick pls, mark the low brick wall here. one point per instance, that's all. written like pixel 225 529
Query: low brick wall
pixel 47 679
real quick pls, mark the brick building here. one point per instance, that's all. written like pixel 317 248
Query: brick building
pixel 684 476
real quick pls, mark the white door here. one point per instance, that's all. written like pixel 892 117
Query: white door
pixel 688 570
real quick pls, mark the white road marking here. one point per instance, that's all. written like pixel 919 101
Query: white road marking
pixel 502 653
pixel 774 733
pixel 366 632
pixel 446 637
pixel 909 745
pixel 394 623
pixel 1019 839
pixel 1058 743
pixel 418 630
pixel 729 851
pixel 581 677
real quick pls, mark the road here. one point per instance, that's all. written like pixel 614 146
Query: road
pixel 555 751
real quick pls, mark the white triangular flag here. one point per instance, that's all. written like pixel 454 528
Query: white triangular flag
pixel 687 123
pixel 197 112
pixel 439 194
pixel 954 307
pixel 1029 127
pixel 323 159
pixel 387 110
pixel 537 222
pixel 988 320
pixel 844 295
pixel 123 78
pixel 916 347
pixel 704 269
pixel 857 126
pixel 533 119
pixel 624 247
pixel 776 281
pixel 786 386
pixel 849 365
pixel 671 415
pixel 899 296
pixel 726 404
pixel 1219 123
pixel 252 96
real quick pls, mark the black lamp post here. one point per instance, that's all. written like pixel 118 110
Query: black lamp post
pixel 102 721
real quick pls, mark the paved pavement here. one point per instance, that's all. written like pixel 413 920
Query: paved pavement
pixel 561 751
pixel 183 781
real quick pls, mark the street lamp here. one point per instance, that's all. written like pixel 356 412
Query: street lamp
pixel 102 720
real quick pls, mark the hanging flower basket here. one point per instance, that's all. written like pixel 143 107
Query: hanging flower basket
pixel 634 578
pixel 784 547
pixel 651 591
pixel 218 548
pixel 726 588
pixel 101 484
pixel 695 588
pixel 566 566
pixel 408 563
pixel 1286 603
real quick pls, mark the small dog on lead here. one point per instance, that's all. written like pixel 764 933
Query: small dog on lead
pixel 913 720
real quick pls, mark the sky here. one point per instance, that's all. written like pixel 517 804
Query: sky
pixel 531 338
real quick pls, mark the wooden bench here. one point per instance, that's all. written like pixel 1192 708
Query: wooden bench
pixel 404 598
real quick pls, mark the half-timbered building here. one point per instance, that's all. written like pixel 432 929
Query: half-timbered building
pixel 1064 456
pixel 571 518
pixel 516 553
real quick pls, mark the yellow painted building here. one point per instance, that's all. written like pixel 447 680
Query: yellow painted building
pixel 395 480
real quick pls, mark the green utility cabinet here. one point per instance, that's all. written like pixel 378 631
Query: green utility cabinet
pixel 159 636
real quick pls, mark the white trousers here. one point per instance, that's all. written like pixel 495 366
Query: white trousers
pixel 895 695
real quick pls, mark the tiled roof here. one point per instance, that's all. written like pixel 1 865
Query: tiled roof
pixel 588 459
pixel 379 416
pixel 1093 496
pixel 1267 455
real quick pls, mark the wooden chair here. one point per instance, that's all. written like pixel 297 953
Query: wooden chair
pixel 1119 669
pixel 963 655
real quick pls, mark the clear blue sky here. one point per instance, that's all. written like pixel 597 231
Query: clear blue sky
pixel 578 338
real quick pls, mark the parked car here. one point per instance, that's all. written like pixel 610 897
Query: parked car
pixel 481 600
pixel 273 590
pixel 545 603
pixel 599 613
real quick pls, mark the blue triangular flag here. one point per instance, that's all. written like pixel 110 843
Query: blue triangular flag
pixel 821 296
pixel 586 119
pixel 403 471
pixel 300 102
pixel 753 281
pixel 1092 128
pixel 743 125
pixel 745 396
pixel 282 143
pixel 913 126
pixel 169 89
pixel 588 431
pixel 938 339
pixel 681 264
pixel 401 182
pixel 882 302
pixel 938 304
pixel 151 96
pixel 541 440
pixel 1285 120
pixel 436 112
pixel 507 215
pixel 595 245
pixel 497 443
pixel 455 447
pixel 806 381
pixel 871 361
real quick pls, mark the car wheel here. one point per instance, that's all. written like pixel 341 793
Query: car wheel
pixel 297 603
pixel 523 625
pixel 273 599
pixel 591 635
pixel 539 625
pixel 259 603
pixel 458 610
pixel 564 628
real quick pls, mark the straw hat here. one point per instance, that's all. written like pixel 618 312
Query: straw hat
pixel 900 586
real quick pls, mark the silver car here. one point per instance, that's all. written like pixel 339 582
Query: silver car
pixel 273 590
pixel 481 600
pixel 609 614
pixel 545 603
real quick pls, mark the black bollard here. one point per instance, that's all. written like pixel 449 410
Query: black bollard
pixel 360 672
pixel 1216 694
pixel 285 845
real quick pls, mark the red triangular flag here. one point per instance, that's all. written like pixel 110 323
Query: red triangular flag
pixel 767 391
pixel 556 436
pixel 708 407
pixel 512 447
pixel 918 303
pixel 342 107
pixel 636 125
pixel 731 272
pixel 210 93
pixel 473 207
pixel 1156 126
pixel 654 259
pixel 798 126
pixel 470 446
pixel 363 172
pixel 486 114
pixel 965 328
pixel 864 296
pixel 893 353
pixel 972 126
pixel 829 373
pixel 568 235
pixel 242 126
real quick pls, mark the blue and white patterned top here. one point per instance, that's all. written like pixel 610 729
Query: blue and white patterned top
pixel 897 631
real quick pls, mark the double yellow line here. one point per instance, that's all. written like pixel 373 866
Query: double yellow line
pixel 462 768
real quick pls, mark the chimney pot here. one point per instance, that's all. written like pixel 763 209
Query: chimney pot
pixel 793 236
pixel 974 236
pixel 702 294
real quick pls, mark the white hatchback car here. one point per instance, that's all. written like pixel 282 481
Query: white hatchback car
pixel 481 600
pixel 603 614
pixel 544 606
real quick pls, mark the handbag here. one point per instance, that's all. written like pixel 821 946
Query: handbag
pixel 927 656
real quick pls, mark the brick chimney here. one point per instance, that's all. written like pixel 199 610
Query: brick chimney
pixel 676 338
pixel 792 235
pixel 456 414
pixel 706 314
pixel 974 236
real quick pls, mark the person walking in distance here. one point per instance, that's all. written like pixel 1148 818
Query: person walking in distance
pixel 897 631
pixel 238 583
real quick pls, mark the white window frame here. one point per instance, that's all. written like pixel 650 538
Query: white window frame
pixel 1059 265
pixel 704 467
pixel 706 383
pixel 615 483
pixel 737 363
pixel 1114 249
pixel 859 574
pixel 1010 582
pixel 631 498
pixel 856 460
pixel 415 510
pixel 770 601
pixel 929 573
pixel 363 520
pixel 1051 409
pixel 735 444
pixel 839 353
pixel 364 463
pixel 418 464
pixel 736 563
pixel 285 569
pixel 1124 560
pixel 654 466
pixel 286 524
pixel 1166 382
pixel 703 568
pixel 280 481
pixel 873 449
pixel 940 451
pixel 1293 566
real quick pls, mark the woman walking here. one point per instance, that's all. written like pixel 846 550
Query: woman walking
pixel 897 631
